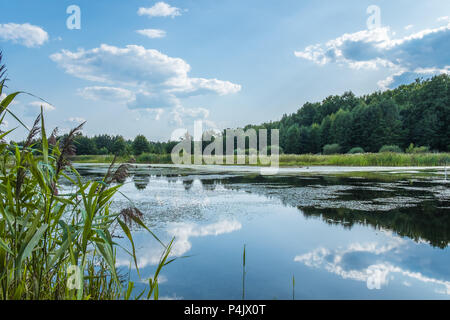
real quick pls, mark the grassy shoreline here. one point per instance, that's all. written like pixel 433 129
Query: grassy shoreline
pixel 286 160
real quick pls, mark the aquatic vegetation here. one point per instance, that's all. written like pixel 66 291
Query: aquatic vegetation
pixel 388 159
pixel 56 244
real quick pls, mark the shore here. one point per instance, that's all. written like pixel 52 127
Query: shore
pixel 286 160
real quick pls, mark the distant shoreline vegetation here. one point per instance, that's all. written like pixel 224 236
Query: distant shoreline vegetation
pixel 388 159
pixel 409 125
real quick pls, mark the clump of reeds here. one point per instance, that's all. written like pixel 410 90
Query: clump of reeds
pixel 44 232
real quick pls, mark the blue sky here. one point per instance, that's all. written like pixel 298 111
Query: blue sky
pixel 150 67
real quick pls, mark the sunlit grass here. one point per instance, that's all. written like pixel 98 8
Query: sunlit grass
pixel 294 160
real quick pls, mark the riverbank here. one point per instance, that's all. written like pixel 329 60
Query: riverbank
pixel 287 160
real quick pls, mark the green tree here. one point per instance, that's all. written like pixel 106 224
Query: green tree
pixel 293 140
pixel 119 146
pixel 85 146
pixel 140 145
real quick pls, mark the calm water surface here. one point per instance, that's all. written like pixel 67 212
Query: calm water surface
pixel 340 237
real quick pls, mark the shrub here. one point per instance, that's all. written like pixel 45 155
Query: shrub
pixel 270 148
pixel 412 149
pixel 103 151
pixel 356 150
pixel 332 149
pixel 154 158
pixel 393 149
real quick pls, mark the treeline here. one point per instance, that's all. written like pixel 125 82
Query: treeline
pixel 114 145
pixel 411 118
pixel 106 144
pixel 416 114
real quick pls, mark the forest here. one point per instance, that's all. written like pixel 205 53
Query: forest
pixel 414 118
pixel 411 115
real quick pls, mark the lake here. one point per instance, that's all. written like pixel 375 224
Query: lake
pixel 339 233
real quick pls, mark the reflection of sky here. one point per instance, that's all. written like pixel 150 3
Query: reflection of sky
pixel 149 252
pixel 373 263
pixel 211 225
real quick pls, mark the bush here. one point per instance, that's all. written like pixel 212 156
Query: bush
pixel 356 150
pixel 393 149
pixel 412 149
pixel 332 149
pixel 154 158
pixel 103 151
pixel 274 148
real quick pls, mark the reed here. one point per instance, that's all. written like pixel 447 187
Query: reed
pixel 45 232
pixel 294 160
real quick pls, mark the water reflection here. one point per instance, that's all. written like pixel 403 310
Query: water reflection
pixel 375 264
pixel 422 223
pixel 342 237
pixel 419 210
pixel 141 181
pixel 149 252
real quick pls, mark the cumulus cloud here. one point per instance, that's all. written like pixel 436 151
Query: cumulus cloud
pixel 32 109
pixel 24 34
pixel 14 102
pixel 371 49
pixel 4 124
pixel 38 104
pixel 107 94
pixel 130 65
pixel 368 263
pixel 76 120
pixel 151 78
pixel 183 233
pixel 182 114
pixel 157 113
pixel 160 9
pixel 152 33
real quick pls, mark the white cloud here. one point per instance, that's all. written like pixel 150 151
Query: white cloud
pixel 181 114
pixel 113 94
pixel 157 112
pixel 149 100
pixel 4 124
pixel 151 78
pixel 76 120
pixel 24 34
pixel 409 26
pixel 152 33
pixel 441 19
pixel 160 9
pixel 371 49
pixel 32 109
pixel 182 232
pixel 45 106
pixel 14 102
pixel 131 65
pixel 370 267
pixel 196 86
pixel 154 113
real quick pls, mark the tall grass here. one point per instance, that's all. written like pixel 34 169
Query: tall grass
pixel 44 232
pixel 289 160
pixel 368 159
